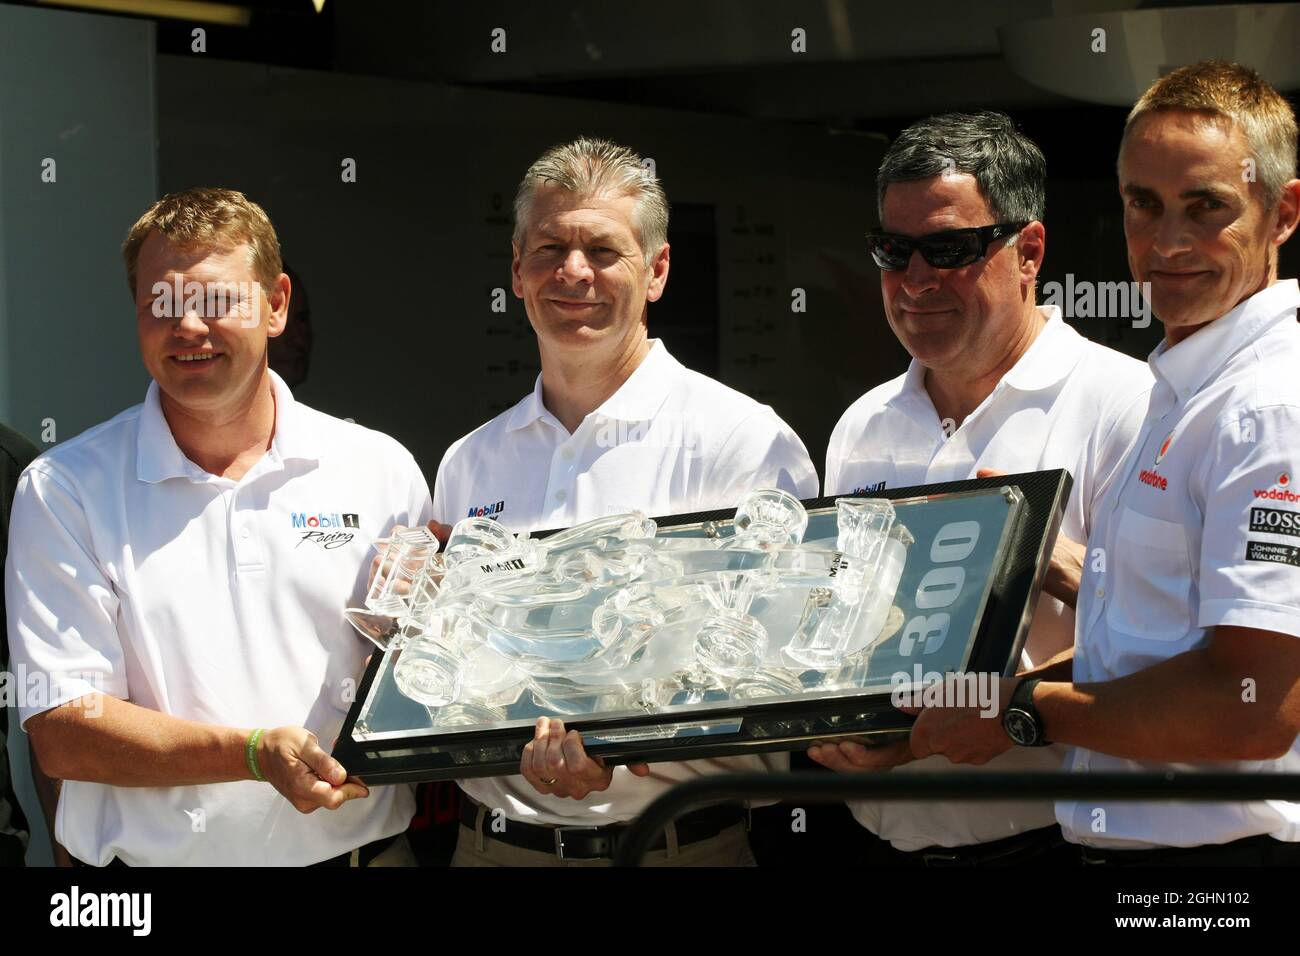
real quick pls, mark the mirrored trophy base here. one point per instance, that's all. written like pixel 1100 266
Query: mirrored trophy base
pixel 697 635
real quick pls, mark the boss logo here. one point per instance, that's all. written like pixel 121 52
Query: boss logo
pixel 1276 520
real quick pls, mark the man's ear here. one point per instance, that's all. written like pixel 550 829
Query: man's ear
pixel 658 275
pixel 278 298
pixel 1288 213
pixel 516 285
pixel 1031 245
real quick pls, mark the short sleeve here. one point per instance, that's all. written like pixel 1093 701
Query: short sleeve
pixel 763 452
pixel 1250 548
pixel 62 609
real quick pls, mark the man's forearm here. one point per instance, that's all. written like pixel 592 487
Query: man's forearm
pixel 1181 710
pixel 1065 573
pixel 130 746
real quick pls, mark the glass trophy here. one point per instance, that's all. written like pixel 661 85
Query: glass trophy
pixel 686 637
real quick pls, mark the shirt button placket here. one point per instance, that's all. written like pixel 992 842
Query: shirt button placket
pixel 561 478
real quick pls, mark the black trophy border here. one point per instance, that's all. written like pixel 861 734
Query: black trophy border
pixel 765 727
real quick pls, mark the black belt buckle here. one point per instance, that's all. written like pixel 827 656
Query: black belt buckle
pixel 604 845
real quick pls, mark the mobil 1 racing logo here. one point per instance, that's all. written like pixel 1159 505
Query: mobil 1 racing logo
pixel 326 530
pixel 486 511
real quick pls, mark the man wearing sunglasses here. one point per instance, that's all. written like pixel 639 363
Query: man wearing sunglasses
pixel 1188 647
pixel 996 383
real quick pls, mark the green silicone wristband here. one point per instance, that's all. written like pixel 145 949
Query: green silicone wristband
pixel 250 751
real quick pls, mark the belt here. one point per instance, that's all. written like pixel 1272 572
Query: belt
pixel 1008 850
pixel 1262 850
pixel 596 843
pixel 364 853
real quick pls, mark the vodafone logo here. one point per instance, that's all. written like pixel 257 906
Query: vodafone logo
pixel 1153 479
pixel 1276 494
pixel 1280 491
pixel 1164 448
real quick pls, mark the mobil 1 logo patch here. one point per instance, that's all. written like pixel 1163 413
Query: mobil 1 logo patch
pixel 1276 553
pixel 1275 521
pixel 325 529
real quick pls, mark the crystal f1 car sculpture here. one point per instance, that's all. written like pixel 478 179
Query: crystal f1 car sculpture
pixel 691 636
pixel 605 609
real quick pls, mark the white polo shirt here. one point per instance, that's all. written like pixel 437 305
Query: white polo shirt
pixel 1067 403
pixel 1199 529
pixel 669 441
pixel 134 572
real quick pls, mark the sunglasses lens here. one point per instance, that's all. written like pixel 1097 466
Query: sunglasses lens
pixel 952 252
pixel 890 252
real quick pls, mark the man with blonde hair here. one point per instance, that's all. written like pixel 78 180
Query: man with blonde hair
pixel 1187 646
pixel 176 575
pixel 614 423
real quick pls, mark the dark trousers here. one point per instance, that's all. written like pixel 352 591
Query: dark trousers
pixel 1044 847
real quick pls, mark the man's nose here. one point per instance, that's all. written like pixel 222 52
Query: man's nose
pixel 1171 237
pixel 191 324
pixel 919 277
pixel 575 267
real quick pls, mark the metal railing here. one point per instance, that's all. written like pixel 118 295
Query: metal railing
pixel 820 787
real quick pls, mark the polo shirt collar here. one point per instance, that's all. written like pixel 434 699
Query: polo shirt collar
pixel 158 457
pixel 1191 363
pixel 529 410
pixel 1051 357
pixel 637 400
pixel 295 438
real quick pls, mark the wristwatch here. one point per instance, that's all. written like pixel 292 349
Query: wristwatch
pixel 1021 720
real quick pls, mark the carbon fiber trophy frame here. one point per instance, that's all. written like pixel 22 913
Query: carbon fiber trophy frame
pixel 752 726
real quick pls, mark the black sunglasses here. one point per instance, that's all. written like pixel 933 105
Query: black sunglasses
pixel 943 250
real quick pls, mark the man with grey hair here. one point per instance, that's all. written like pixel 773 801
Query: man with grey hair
pixel 996 384
pixel 613 424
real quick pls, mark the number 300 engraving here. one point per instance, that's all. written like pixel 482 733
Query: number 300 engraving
pixel 939 587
